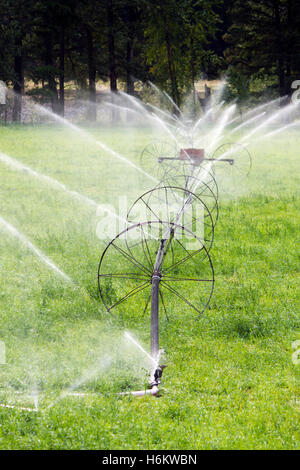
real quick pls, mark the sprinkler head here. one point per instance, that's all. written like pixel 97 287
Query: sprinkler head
pixel 157 376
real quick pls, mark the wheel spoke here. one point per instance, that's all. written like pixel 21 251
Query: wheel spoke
pixel 163 303
pixel 183 260
pixel 130 294
pixel 181 297
pixel 131 259
pixel 132 276
pixel 172 279
pixel 150 262
pixel 151 210
pixel 147 303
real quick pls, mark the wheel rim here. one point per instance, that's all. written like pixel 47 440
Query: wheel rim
pixel 149 159
pixel 175 205
pixel 125 272
pixel 199 188
pixel 231 177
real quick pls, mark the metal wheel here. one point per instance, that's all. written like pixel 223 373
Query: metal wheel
pixel 204 172
pixel 126 268
pixel 232 164
pixel 175 205
pixel 239 157
pixel 199 188
pixel 153 152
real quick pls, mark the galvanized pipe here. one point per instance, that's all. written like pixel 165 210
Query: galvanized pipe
pixel 154 315
pixel 141 393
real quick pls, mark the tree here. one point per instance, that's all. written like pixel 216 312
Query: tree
pixel 177 32
pixel 16 25
pixel 163 33
pixel 131 38
pixel 200 27
pixel 53 22
pixel 263 40
pixel 90 33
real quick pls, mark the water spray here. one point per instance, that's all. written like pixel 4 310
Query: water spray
pixel 12 230
pixel 158 275
pixel 155 266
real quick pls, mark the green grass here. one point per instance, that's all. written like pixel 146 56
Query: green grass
pixel 230 381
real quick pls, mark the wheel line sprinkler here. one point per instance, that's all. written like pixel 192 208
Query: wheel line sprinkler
pixel 195 158
pixel 157 371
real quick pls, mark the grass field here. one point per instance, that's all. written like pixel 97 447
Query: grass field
pixel 230 382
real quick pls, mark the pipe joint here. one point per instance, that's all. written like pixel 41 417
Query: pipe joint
pixel 157 376
pixel 156 275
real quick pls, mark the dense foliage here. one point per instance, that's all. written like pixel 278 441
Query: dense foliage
pixel 52 43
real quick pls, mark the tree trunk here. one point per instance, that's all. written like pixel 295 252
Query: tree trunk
pixel 111 56
pixel 18 86
pixel 111 46
pixel 279 46
pixel 92 75
pixel 172 74
pixel 290 48
pixel 129 61
pixel 62 73
pixel 51 73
